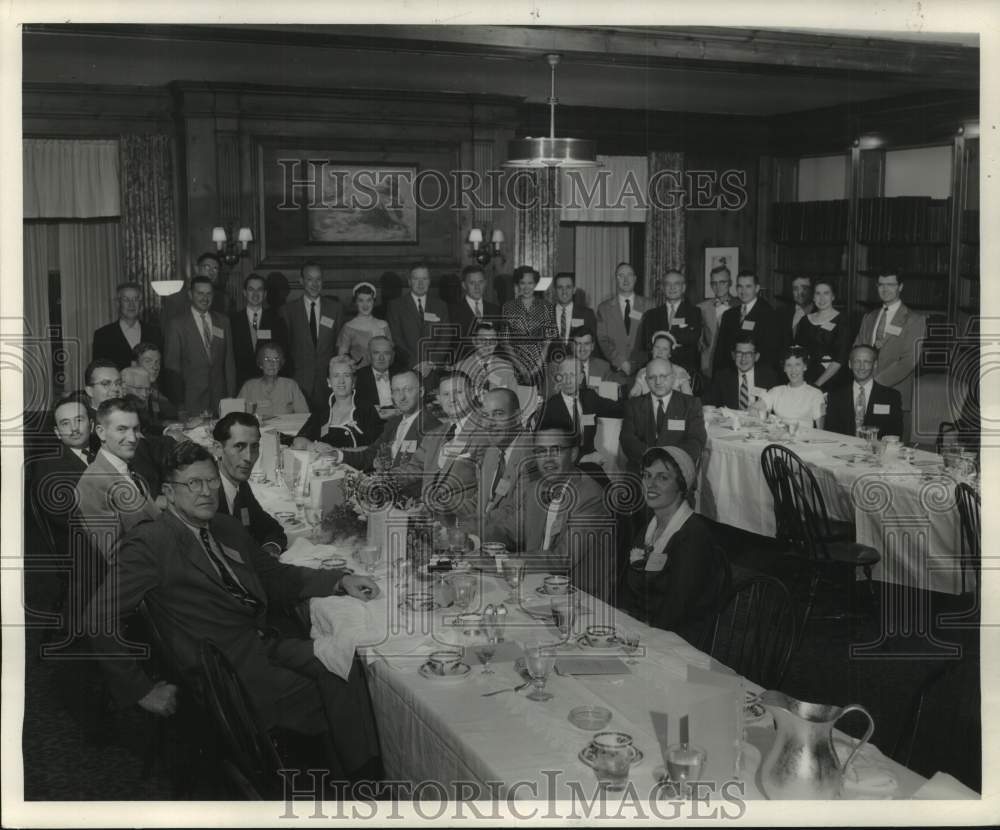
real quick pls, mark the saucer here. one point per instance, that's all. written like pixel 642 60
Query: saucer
pixel 286 515
pixel 587 756
pixel 458 672
pixel 568 592
pixel 584 642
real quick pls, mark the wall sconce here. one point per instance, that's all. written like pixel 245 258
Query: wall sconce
pixel 484 253
pixel 231 250
pixel 164 288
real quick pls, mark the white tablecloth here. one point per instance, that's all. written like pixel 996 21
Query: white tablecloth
pixel 911 521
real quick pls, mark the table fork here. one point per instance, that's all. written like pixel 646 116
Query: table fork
pixel 501 691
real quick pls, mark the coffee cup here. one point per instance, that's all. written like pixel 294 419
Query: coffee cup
pixel 556 584
pixel 469 623
pixel 445 661
pixel 494 549
pixel 419 601
pixel 600 635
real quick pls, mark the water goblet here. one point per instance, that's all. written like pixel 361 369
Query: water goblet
pixel 370 556
pixel 488 648
pixel 513 573
pixel 684 765
pixel 314 518
pixel 464 586
pixel 631 645
pixel 793 428
pixel 539 661
pixel 564 614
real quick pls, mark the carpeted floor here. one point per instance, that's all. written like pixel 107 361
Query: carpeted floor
pixel 73 750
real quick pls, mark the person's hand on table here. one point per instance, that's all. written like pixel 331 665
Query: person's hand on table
pixel 161 699
pixel 361 587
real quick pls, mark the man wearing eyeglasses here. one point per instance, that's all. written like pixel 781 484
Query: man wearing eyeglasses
pixel 116 340
pixel 203 577
pixel 720 279
pixel 558 515
pixel 113 497
pixel 238 436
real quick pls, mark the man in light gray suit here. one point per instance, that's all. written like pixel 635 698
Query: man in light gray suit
pixel 198 353
pixel 112 497
pixel 618 321
pixel 711 314
pixel 312 325
pixel 897 333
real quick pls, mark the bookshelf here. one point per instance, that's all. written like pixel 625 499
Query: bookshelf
pixel 809 239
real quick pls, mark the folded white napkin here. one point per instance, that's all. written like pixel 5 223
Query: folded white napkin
pixel 943 786
pixel 305 554
pixel 339 626
pixel 868 776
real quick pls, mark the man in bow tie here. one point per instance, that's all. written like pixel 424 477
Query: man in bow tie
pixel 373 383
pixel 721 281
pixel 558 516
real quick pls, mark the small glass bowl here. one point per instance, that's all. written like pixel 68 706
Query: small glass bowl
pixel 591 718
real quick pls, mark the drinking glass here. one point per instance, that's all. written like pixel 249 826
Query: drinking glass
pixel 313 517
pixel 684 765
pixel 513 573
pixel 793 428
pixel 539 662
pixel 488 648
pixel 564 614
pixel 464 586
pixel 631 645
pixel 370 556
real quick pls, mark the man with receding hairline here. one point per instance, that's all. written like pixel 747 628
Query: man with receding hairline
pixel 116 340
pixel 680 318
pixel 415 322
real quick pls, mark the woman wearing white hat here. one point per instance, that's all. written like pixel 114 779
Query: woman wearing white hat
pixel 674 578
pixel 356 332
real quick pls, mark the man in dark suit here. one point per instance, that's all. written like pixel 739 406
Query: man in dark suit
pixel 559 517
pixel 754 315
pixel 662 418
pixel 198 353
pixel 577 408
pixel 677 316
pixel 502 461
pixel 738 386
pixel 403 432
pixel 864 403
pixel 418 324
pixel 203 577
pixel 570 316
pixel 471 308
pixel 253 325
pixel 312 325
pixel 238 435
pixel 789 317
pixel 116 340
pixel 372 383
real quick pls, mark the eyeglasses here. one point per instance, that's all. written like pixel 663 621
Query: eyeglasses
pixel 107 384
pixel 553 452
pixel 200 485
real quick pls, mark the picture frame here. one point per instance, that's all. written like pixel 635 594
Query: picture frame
pixel 730 258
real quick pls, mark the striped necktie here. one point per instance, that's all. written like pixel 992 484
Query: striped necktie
pixel 860 409
pixel 230 581
pixel 206 332
pixel 744 392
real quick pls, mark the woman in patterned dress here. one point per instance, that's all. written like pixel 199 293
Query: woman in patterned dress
pixel 531 324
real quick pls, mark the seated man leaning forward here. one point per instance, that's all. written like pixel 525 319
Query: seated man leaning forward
pixel 557 517
pixel 203 577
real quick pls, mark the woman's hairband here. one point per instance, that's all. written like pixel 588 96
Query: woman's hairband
pixel 365 285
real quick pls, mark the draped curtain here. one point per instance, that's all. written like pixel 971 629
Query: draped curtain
pixel 89 271
pixel 664 228
pixel 66 178
pixel 599 248
pixel 536 223
pixel 37 361
pixel 148 218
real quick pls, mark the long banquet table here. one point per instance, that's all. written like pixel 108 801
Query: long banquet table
pixel 506 746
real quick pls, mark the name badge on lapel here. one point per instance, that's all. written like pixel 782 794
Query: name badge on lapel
pixel 503 488
pixel 245 516
pixel 576 321
pixel 263 334
pixel 431 317
pixel 326 322
pixel 895 331
pixel 880 409
pixel 635 315
pixel 408 446
pixel 676 424
pixel 749 325
pixel 588 420
pixel 217 332
pixel 680 322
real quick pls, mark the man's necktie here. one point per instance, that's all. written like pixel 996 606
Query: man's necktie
pixel 584 379
pixel 661 417
pixel 313 331
pixel 743 313
pixel 671 310
pixel 576 422
pixel 744 392
pixel 860 409
pixel 628 317
pixel 563 326
pixel 498 476
pixel 253 328
pixel 449 436
pixel 206 332
pixel 139 482
pixel 880 328
pixel 479 309
pixel 229 580
pixel 420 309
pixel 237 503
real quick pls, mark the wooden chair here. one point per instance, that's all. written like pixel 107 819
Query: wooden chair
pixel 969 510
pixel 755 631
pixel 249 747
pixel 804 525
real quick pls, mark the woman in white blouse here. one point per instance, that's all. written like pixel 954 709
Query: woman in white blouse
pixel 795 400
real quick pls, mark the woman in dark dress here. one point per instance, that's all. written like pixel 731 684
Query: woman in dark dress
pixel 342 423
pixel 824 335
pixel 531 324
pixel 673 580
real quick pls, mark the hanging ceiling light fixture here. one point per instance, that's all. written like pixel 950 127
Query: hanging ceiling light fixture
pixel 551 151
